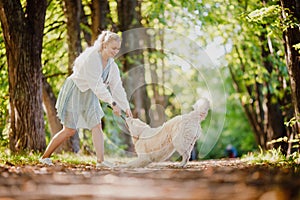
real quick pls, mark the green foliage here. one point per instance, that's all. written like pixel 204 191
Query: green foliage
pixel 237 23
pixel 237 131
pixel 114 129
pixel 271 17
pixel 55 51
pixel 293 140
pixel 182 16
pixel 4 100
pixel 256 58
pixel 273 157
pixel 292 122
pixel 297 47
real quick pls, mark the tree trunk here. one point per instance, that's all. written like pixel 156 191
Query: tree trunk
pixel 291 37
pixel 100 19
pixel 264 114
pixel 157 111
pixel 129 18
pixel 274 127
pixel 72 9
pixel 86 27
pixel 129 15
pixel 49 101
pixel 23 36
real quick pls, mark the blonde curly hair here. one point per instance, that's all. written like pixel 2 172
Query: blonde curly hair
pixel 104 38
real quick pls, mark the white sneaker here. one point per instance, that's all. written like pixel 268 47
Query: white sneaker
pixel 104 164
pixel 46 161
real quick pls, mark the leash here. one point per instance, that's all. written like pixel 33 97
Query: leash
pixel 123 116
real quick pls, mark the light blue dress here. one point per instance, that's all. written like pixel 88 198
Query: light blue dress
pixel 77 109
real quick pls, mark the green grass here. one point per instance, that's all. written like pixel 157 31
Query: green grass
pixel 273 157
pixel 17 159
pixel 32 158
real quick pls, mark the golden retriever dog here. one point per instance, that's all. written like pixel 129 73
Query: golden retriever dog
pixel 178 134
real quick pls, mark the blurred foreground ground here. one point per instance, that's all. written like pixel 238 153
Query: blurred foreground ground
pixel 207 180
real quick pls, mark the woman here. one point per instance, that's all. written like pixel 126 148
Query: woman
pixel 95 76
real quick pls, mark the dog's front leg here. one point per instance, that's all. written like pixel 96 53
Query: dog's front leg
pixel 184 161
pixel 182 164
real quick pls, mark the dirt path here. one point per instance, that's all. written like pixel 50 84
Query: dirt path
pixel 208 180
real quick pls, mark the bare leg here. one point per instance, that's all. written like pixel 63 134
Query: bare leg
pixel 57 140
pixel 98 141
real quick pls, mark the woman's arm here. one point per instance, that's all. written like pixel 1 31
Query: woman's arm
pixel 117 89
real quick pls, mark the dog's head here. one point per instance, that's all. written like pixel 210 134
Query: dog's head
pixel 136 127
pixel 202 106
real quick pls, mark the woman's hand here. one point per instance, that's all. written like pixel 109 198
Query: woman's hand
pixel 128 113
pixel 116 110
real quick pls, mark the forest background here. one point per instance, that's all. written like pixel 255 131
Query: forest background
pixel 251 66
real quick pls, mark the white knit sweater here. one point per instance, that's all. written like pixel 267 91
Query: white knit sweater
pixel 87 75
